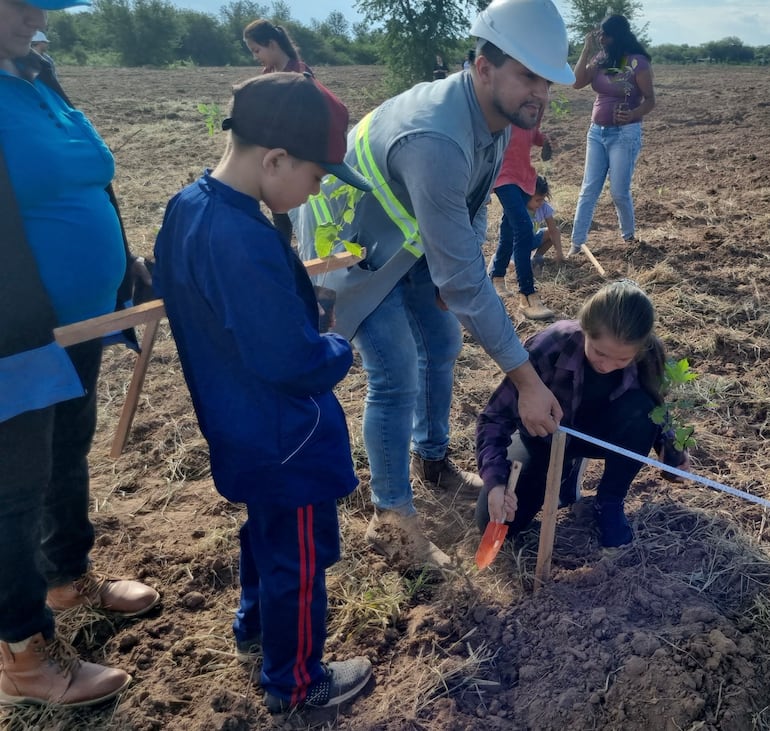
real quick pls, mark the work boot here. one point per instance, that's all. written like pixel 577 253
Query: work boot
pixel 37 672
pixel 501 288
pixel 341 681
pixel 119 596
pixel 399 538
pixel 443 474
pixel 533 309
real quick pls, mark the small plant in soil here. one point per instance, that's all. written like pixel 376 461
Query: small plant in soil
pixel 680 400
pixel 212 115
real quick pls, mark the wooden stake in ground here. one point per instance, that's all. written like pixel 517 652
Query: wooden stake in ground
pixel 550 506
pixel 592 259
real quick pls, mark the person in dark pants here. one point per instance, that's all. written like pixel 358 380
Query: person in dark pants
pixel 606 369
pixel 64 260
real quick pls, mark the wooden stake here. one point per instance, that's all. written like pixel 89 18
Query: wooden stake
pixel 592 259
pixel 550 506
pixel 134 390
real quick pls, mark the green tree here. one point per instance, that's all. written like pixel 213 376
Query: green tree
pixel 587 14
pixel 143 32
pixel 729 50
pixel 203 40
pixel 415 31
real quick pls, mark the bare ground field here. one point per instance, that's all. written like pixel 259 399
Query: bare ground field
pixel 669 633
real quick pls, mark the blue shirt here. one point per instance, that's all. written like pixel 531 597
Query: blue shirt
pixel 245 320
pixel 59 168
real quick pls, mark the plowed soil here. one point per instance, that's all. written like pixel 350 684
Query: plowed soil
pixel 667 634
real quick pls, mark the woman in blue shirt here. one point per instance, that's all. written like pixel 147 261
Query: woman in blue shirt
pixel 64 261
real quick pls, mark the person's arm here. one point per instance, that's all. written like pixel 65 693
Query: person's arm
pixel 584 70
pixel 644 81
pixel 554 234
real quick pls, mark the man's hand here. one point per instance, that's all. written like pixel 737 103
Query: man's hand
pixel 501 505
pixel 538 408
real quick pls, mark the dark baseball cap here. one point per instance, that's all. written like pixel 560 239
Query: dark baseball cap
pixel 294 112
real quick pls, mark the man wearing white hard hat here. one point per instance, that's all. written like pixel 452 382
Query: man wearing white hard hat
pixel 65 259
pixel 434 152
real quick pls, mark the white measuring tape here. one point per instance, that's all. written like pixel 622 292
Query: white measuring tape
pixel 674 470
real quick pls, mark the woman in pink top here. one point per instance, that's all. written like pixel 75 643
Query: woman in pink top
pixel 620 73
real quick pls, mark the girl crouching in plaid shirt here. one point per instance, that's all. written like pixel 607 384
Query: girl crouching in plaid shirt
pixel 606 370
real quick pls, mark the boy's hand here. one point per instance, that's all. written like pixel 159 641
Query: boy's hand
pixel 501 505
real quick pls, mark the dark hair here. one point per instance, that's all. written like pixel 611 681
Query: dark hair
pixel 542 187
pixel 491 52
pixel 624 42
pixel 472 55
pixel 624 312
pixel 263 31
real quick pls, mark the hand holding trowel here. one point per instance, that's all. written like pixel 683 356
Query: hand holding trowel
pixel 494 535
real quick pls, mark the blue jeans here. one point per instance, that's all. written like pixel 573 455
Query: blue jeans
pixel 517 238
pixel 612 150
pixel 45 533
pixel 408 346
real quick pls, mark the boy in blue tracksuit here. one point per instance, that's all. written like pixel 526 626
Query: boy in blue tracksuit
pixel 245 319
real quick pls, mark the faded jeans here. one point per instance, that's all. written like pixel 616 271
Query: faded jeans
pixel 612 150
pixel 517 237
pixel 408 346
pixel 45 532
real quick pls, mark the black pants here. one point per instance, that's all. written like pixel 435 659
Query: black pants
pixel 626 423
pixel 45 533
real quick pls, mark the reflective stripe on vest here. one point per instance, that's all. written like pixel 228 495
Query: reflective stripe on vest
pixel 385 197
pixel 382 192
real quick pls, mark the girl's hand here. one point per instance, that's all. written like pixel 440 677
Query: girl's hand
pixel 501 505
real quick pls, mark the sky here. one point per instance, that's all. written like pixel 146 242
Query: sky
pixel 671 21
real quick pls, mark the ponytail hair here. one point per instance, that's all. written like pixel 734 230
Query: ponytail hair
pixel 621 310
pixel 263 31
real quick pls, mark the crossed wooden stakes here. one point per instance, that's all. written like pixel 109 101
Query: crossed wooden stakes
pixel 150 315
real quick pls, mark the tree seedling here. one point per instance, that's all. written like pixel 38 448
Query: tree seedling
pixel 212 115
pixel 676 377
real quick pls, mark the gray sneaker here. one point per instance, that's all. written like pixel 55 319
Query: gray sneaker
pixel 445 475
pixel 341 682
pixel 574 249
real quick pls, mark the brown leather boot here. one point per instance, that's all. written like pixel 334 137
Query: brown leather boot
pixel 400 538
pixel 36 672
pixel 532 307
pixel 119 596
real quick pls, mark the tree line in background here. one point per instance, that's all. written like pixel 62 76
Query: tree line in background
pixel 157 33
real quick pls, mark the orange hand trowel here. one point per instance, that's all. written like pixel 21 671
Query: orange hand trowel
pixel 494 535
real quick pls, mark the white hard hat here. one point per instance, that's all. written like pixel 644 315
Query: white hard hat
pixel 39 37
pixel 532 32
